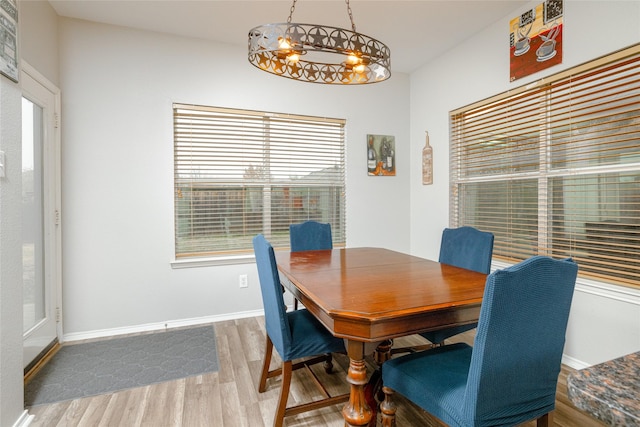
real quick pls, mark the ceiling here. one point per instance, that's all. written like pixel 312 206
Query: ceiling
pixel 416 31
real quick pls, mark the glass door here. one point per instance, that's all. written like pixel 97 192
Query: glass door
pixel 40 219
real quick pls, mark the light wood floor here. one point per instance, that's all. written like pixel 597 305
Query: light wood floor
pixel 229 397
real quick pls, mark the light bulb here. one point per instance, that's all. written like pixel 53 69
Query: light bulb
pixel 283 44
pixel 294 57
pixel 359 68
pixel 353 59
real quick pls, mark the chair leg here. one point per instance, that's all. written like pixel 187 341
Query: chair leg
pixel 265 365
pixel 284 394
pixel 388 408
pixel 287 372
pixel 546 420
pixel 328 363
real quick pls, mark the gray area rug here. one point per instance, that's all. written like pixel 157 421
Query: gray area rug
pixel 101 367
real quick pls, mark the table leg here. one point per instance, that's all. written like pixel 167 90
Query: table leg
pixel 381 355
pixel 383 352
pixel 373 389
pixel 356 412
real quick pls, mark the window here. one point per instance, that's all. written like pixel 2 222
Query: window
pixel 239 173
pixel 554 168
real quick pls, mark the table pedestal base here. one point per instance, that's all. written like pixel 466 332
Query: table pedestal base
pixel 356 412
pixel 365 394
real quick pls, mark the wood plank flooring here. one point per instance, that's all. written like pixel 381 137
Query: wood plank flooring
pixel 229 397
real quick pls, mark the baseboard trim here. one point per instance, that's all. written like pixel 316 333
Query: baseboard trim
pixel 150 327
pixel 574 363
pixel 24 420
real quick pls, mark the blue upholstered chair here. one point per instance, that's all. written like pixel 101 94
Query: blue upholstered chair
pixel 467 247
pixel 295 335
pixel 309 236
pixel 510 374
pixel 464 247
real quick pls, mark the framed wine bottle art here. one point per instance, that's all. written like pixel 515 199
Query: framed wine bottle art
pixel 381 155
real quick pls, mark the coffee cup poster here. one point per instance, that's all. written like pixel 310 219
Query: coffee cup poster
pixel 381 155
pixel 536 39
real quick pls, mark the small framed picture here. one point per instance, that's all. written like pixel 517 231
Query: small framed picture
pixel 9 39
pixel 381 155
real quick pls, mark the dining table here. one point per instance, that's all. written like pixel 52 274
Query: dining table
pixel 372 295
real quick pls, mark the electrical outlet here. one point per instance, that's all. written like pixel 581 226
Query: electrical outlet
pixel 243 281
pixel 2 168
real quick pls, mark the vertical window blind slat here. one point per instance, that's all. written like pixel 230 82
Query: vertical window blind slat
pixel 556 170
pixel 238 173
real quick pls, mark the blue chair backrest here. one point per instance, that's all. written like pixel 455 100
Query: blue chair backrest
pixel 467 247
pixel 517 351
pixel 276 321
pixel 310 236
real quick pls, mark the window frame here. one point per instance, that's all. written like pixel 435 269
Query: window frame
pixel 288 145
pixel 544 173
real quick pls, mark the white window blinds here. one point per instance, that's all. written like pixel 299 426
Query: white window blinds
pixel 555 169
pixel 239 173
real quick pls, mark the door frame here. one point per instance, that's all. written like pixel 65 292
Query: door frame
pixel 52 199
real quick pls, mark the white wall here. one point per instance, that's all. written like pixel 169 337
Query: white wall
pixel 605 322
pixel 37 41
pixel 39 37
pixel 118 86
pixel 11 396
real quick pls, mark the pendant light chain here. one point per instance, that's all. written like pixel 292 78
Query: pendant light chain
pixel 353 25
pixel 293 7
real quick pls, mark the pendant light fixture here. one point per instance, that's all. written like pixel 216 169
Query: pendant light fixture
pixel 319 53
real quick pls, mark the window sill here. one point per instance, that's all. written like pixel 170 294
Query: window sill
pixel 627 294
pixel 212 261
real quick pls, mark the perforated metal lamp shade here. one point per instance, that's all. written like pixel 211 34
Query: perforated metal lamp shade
pixel 319 54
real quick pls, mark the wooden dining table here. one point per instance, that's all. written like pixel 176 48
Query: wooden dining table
pixel 372 295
